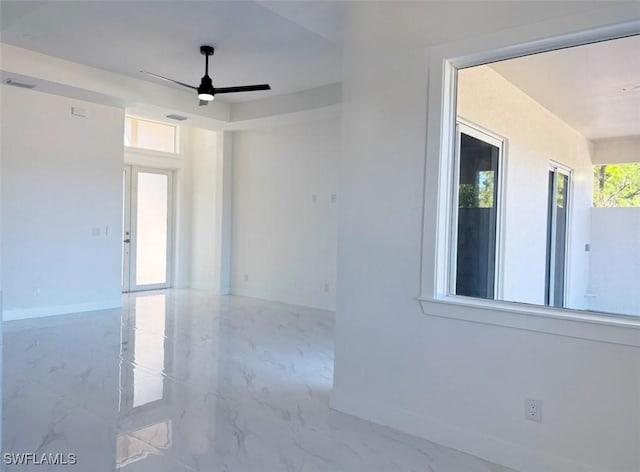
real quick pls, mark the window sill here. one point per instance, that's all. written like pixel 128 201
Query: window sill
pixel 594 326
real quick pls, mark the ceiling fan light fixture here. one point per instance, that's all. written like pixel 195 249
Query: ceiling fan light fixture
pixel 206 96
pixel 206 90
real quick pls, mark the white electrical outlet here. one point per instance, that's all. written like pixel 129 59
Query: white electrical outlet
pixel 246 277
pixel 533 409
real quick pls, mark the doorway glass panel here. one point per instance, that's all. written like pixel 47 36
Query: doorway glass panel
pixel 146 229
pixel 557 238
pixel 477 218
pixel 152 228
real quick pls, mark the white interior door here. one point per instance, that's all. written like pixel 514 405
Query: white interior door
pixel 147 229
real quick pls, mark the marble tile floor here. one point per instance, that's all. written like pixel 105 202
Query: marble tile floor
pixel 181 380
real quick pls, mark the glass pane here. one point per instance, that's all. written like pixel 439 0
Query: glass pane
pixel 151 228
pixel 550 240
pixel 128 131
pixel 560 240
pixel 477 217
pixel 556 239
pixel 156 136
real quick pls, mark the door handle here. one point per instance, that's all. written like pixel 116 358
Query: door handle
pixel 126 240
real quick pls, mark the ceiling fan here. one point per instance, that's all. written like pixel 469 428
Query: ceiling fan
pixel 206 90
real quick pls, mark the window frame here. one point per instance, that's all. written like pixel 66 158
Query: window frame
pixel 478 132
pixel 444 61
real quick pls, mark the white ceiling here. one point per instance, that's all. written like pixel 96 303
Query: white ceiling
pixel 297 45
pixel 585 85
pixel 289 47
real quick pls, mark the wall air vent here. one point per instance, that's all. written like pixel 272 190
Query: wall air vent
pixel 15 83
pixel 177 117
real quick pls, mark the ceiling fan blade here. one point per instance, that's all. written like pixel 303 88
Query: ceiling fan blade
pixel 169 80
pixel 243 88
pixel 202 103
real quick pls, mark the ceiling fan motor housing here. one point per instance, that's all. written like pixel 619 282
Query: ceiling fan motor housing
pixel 206 86
pixel 206 50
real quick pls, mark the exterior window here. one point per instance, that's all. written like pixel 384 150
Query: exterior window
pixel 477 213
pixel 150 135
pixel 558 215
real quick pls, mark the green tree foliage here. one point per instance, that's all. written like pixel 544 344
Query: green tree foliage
pixel 616 185
pixel 485 189
pixel 479 195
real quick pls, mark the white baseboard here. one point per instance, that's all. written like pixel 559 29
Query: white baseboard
pixel 39 312
pixel 492 449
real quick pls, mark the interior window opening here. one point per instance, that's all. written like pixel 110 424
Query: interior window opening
pixel 558 226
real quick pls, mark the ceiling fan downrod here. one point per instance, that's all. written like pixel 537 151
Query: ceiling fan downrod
pixel 206 92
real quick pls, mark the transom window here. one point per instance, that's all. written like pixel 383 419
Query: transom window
pixel 150 135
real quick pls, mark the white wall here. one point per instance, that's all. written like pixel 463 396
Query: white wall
pixel 534 137
pixel 2 120
pixel 615 260
pixel 615 241
pixel 283 241
pixel 207 183
pixel 203 155
pixel 459 383
pixel 61 182
pixel 224 207
pixel 617 151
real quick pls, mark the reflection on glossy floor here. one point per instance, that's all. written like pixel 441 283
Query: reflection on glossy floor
pixel 185 381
